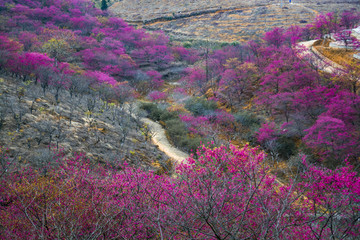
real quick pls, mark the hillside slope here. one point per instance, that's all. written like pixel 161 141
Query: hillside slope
pixel 32 121
pixel 227 21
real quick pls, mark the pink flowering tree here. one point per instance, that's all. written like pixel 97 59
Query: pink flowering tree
pixel 157 96
pixel 28 63
pixel 267 132
pixel 29 40
pixel 238 83
pixel 275 37
pixel 184 54
pixel 196 125
pixel 85 23
pixel 155 81
pixel 222 184
pixel 9 50
pixel 195 80
pixel 332 198
pixel 158 56
pixel 325 24
pixel 101 77
pixel 348 40
pixel 333 140
pixel 350 19
pixel 229 183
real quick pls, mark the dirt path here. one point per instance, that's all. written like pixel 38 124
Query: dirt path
pixel 158 133
pixel 159 138
pixel 316 58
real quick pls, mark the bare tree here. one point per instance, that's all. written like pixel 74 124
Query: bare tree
pixel 58 83
pixel 3 111
pixel 43 159
pixel 46 129
pixel 6 163
pixel 60 134
pixel 124 123
pixel 44 74
pixel 90 102
pixel 17 110
pixel 33 92
pixel 78 85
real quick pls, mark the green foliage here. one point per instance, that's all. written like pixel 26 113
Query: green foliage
pixel 187 45
pixel 249 125
pixel 286 146
pixel 200 106
pixel 224 44
pixel 247 119
pixel 176 129
pixel 104 5
pixel 166 116
pixel 157 114
pixel 191 144
pixel 179 134
pixel 152 110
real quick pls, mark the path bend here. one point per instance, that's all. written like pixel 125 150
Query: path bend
pixel 159 139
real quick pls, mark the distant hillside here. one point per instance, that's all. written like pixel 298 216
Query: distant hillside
pixel 150 9
pixel 227 20
pixel 140 10
pixel 240 24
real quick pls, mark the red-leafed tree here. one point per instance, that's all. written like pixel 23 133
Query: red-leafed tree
pixel 333 140
pixel 238 82
pixel 9 50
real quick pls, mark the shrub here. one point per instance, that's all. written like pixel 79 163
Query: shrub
pixel 200 106
pixel 187 45
pixel 166 116
pixel 157 96
pixel 152 110
pixel 190 144
pixel 247 119
pixel 176 129
pixel 286 146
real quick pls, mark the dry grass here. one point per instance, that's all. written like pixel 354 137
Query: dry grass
pixel 138 10
pixel 229 20
pixel 240 24
pixel 135 10
pixel 340 56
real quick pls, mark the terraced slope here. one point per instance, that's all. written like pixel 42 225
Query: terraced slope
pixel 142 10
pixel 240 24
pixel 223 20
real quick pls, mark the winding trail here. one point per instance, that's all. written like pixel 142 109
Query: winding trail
pixel 316 58
pixel 159 139
pixel 158 134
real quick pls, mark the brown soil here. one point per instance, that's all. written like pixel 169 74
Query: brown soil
pixel 340 56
